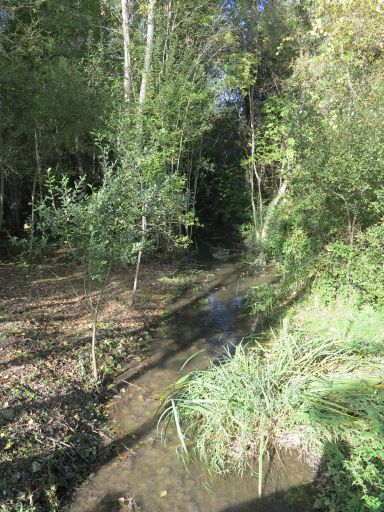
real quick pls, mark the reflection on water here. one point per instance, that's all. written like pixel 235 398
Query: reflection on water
pixel 155 476
pixel 222 316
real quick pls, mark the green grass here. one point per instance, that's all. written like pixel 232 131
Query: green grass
pixel 360 328
pixel 310 387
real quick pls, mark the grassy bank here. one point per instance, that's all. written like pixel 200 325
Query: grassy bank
pixel 53 417
pixel 316 387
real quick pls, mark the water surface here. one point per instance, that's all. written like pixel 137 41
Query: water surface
pixel 155 475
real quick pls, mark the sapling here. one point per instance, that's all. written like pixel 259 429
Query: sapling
pixel 102 228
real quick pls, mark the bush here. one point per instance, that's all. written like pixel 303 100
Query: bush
pixel 356 269
pixel 352 476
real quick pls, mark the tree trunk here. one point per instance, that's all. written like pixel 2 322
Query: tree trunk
pixel 134 289
pixel 33 197
pixel 142 98
pixel 93 350
pixel 254 211
pixel 148 54
pixel 95 314
pixel 168 14
pixel 271 209
pixel 79 158
pixel 32 226
pixel 253 170
pixel 143 234
pixel 2 185
pixel 15 224
pixel 126 10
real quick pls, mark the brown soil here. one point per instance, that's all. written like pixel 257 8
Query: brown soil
pixel 52 414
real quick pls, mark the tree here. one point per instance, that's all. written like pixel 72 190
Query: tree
pixel 262 47
pixel 54 105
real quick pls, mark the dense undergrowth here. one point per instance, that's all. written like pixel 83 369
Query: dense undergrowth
pixel 314 383
pixel 317 384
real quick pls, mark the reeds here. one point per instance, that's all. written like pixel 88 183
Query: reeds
pixel 298 393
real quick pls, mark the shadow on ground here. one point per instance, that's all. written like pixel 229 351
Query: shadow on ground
pixel 68 463
pixel 39 458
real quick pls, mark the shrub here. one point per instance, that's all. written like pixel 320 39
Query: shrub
pixel 356 269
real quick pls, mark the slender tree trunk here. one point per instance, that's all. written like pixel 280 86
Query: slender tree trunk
pixel 134 289
pixel 352 230
pixel 32 226
pixel 253 203
pixel 195 185
pixel 168 14
pixel 33 196
pixel 95 314
pixel 15 205
pixel 142 98
pixel 38 162
pixel 126 9
pixel 79 158
pixel 93 349
pixel 2 186
pixel 254 173
pixel 258 175
pixel 138 263
pixel 271 209
pixel 253 170
pixel 148 54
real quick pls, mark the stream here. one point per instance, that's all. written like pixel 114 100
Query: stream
pixel 155 476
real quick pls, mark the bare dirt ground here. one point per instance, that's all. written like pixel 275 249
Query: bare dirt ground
pixel 52 415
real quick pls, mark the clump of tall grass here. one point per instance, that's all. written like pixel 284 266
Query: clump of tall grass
pixel 298 393
pixel 362 328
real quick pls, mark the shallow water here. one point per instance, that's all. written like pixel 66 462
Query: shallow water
pixel 155 475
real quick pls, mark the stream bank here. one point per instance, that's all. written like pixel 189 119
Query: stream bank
pixel 199 325
pixel 53 429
